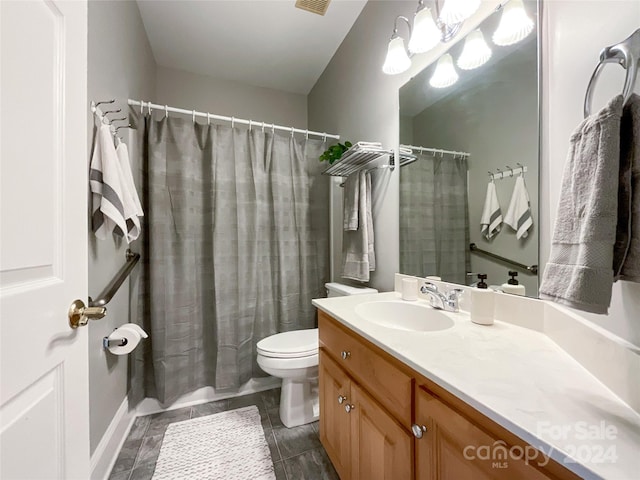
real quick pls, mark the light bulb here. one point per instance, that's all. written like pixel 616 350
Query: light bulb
pixel 397 60
pixel 456 11
pixel 476 52
pixel 445 74
pixel 426 34
pixel 514 24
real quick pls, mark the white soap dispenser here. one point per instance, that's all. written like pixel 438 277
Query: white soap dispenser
pixel 482 302
pixel 512 286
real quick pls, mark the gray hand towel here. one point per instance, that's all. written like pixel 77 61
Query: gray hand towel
pixel 358 257
pixel 351 196
pixel 627 254
pixel 579 273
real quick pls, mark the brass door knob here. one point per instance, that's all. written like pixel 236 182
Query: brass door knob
pixel 79 314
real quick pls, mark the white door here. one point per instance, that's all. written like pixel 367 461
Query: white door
pixel 44 400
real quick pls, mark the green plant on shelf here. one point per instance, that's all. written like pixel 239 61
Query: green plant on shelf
pixel 335 152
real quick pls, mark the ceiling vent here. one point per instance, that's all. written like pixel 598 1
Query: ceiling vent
pixel 313 6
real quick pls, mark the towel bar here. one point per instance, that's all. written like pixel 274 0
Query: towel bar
pixel 530 269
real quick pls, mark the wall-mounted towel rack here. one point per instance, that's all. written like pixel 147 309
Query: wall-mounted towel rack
pixel 625 53
pixel 358 158
pixel 530 269
pixel 101 114
pixel 508 173
pixel 111 289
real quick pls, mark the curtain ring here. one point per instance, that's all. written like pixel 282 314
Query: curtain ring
pixel 208 118
pixel 250 124
pixel 324 137
pixel 262 127
pixel 306 135
pixel 273 129
pixel 149 108
pixel 291 132
pixel 193 116
pixel 166 111
pixel 141 107
pixel 233 122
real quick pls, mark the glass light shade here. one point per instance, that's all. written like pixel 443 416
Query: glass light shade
pixel 397 60
pixel 426 34
pixel 476 52
pixel 456 11
pixel 445 74
pixel 514 24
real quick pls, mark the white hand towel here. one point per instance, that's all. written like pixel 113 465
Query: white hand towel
pixel 106 187
pixel 518 214
pixel 131 202
pixel 491 220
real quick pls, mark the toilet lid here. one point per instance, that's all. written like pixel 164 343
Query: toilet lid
pixel 297 343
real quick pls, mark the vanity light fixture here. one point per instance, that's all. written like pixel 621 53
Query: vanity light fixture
pixel 475 53
pixel 426 33
pixel 445 73
pixel 514 24
pixel 457 11
pixel 397 59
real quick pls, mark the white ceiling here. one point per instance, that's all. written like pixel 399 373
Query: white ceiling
pixel 267 43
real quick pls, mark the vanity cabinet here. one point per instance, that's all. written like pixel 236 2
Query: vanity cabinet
pixel 381 420
pixel 451 447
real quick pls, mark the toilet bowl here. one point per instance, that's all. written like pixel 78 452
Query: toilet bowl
pixel 293 356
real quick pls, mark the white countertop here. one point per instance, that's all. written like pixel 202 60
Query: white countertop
pixel 520 379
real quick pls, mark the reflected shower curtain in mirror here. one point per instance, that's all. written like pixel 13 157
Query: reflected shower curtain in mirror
pixel 434 220
pixel 235 248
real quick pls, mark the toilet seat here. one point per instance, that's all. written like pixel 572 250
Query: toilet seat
pixel 294 344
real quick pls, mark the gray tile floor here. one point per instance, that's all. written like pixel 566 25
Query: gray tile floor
pixel 296 452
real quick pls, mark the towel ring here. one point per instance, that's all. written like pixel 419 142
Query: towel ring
pixel 625 53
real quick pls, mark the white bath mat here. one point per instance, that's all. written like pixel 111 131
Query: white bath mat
pixel 224 446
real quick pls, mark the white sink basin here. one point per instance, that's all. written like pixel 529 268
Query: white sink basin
pixel 400 315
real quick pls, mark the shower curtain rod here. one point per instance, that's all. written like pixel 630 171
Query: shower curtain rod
pixel 436 151
pixel 164 108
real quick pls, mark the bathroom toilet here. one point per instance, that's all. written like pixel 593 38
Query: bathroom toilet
pixel 293 356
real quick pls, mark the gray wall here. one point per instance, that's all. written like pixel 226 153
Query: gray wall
pixel 498 124
pixel 121 66
pixel 181 89
pixel 354 98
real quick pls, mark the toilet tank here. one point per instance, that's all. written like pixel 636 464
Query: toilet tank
pixel 340 290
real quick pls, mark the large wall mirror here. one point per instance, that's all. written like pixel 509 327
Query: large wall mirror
pixel 487 122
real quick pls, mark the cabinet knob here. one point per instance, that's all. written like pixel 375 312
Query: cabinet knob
pixel 418 430
pixel 341 399
pixel 348 408
pixel 345 354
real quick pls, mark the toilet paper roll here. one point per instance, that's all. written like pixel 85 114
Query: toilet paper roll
pixel 130 332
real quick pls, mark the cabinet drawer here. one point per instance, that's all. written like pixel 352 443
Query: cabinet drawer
pixel 388 384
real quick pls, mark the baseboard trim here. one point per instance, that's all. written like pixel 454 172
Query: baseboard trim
pixel 205 395
pixel 106 453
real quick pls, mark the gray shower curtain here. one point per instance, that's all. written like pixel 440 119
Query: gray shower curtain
pixel 434 219
pixel 235 247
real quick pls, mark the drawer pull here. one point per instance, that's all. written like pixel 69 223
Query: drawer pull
pixel 341 399
pixel 345 354
pixel 418 430
pixel 348 408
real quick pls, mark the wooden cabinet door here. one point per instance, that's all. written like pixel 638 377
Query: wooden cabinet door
pixel 381 448
pixel 450 447
pixel 335 435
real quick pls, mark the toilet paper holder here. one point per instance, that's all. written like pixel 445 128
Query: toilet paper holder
pixel 111 342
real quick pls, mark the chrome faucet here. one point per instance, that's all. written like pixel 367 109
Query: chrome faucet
pixel 442 301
